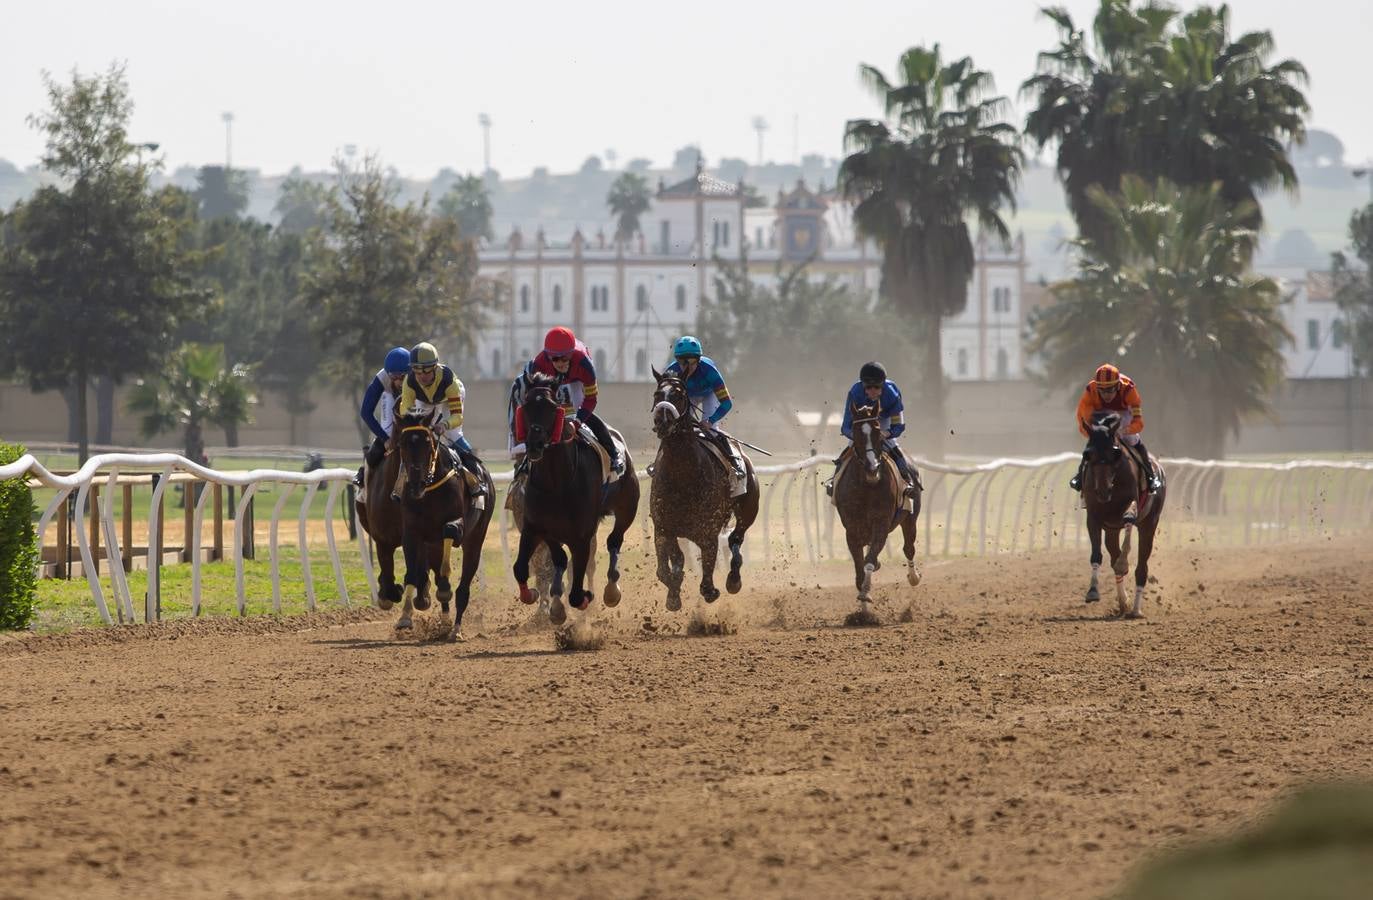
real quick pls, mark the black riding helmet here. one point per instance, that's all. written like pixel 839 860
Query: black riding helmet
pixel 872 374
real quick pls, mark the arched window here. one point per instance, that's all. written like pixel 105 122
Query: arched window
pixel 557 298
pixel 641 298
pixel 962 368
pixel 1003 363
pixel 524 298
pixel 681 298
pixel 724 234
pixel 640 362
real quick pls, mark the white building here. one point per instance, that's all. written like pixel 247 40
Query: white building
pixel 627 301
pixel 1320 345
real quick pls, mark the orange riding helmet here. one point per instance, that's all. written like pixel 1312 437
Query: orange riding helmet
pixel 1107 376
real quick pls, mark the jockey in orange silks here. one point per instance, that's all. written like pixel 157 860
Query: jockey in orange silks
pixel 1111 391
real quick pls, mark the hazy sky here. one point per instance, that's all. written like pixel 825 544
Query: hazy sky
pixel 408 78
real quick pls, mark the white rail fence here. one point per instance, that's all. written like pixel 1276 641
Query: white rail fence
pixel 1002 506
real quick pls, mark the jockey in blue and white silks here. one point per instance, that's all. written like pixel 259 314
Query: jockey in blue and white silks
pixel 705 388
pixel 873 386
pixel 381 396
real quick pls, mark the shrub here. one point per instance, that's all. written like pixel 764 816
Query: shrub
pixel 18 550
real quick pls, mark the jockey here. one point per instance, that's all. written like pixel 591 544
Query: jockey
pixel 384 390
pixel 705 388
pixel 1114 392
pixel 567 360
pixel 873 386
pixel 432 390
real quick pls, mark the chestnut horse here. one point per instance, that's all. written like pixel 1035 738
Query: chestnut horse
pixel 870 497
pixel 1108 490
pixel 690 497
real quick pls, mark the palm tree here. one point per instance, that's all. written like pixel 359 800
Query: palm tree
pixel 628 200
pixel 1168 297
pixel 469 204
pixel 1161 94
pixel 940 154
pixel 194 391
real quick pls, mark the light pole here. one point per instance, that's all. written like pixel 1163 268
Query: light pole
pixel 485 122
pixel 760 125
pixel 228 118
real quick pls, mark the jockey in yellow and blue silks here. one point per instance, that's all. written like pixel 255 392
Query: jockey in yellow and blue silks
pixel 382 393
pixel 873 386
pixel 705 388
pixel 433 391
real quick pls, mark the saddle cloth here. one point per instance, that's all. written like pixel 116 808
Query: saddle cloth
pixel 608 475
pixel 738 486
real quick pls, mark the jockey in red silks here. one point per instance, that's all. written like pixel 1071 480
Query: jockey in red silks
pixel 566 359
pixel 1113 392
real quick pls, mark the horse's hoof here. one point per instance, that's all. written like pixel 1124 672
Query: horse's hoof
pixel 445 597
pixel 734 583
pixel 583 604
pixel 421 602
pixel 557 613
pixel 913 576
pixel 674 602
pixel 456 637
pixel 1093 595
pixel 384 603
pixel 403 624
pixel 529 595
pixel 710 595
pixel 876 565
pixel 1134 615
pixel 610 596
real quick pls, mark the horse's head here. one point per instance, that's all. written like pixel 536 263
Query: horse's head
pixel 1104 455
pixel 867 440
pixel 670 404
pixel 419 452
pixel 541 415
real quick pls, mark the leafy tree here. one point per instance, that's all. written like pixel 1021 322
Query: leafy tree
pixel 757 332
pixel 221 193
pixel 196 388
pixel 469 204
pixel 98 273
pixel 1158 93
pixel 941 153
pixel 592 165
pixel 382 275
pixel 1167 296
pixel 639 165
pixel 302 204
pixel 1354 287
pixel 628 200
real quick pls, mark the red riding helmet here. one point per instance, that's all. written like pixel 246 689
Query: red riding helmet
pixel 559 341
pixel 1107 376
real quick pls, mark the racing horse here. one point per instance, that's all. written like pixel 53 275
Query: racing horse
pixel 691 496
pixel 1111 486
pixel 565 498
pixel 870 496
pixel 435 516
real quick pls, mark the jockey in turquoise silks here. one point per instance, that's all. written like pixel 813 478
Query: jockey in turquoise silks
pixel 705 388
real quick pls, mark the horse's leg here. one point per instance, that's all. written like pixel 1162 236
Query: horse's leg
pixel 909 523
pixel 416 579
pixel 1146 548
pixel 1094 536
pixel 443 587
pixel 745 512
pixel 557 613
pixel 862 580
pixel 578 596
pixel 611 595
pixel 388 592
pixel 671 577
pixel 528 541
pixel 710 552
pixel 433 562
pixel 1119 566
pixel 471 561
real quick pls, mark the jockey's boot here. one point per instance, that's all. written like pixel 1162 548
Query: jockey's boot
pixel 601 432
pixel 829 482
pixel 1151 482
pixel 360 482
pixel 1076 481
pixel 471 473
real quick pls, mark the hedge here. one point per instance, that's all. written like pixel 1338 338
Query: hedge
pixel 18 548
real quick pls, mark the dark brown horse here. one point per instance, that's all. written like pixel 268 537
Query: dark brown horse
pixel 870 496
pixel 380 518
pixel 691 497
pixel 1109 489
pixel 565 499
pixel 436 516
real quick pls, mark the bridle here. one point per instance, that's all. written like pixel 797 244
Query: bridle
pixel 664 405
pixel 866 423
pixel 433 441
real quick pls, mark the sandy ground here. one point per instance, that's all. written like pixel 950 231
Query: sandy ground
pixel 1008 741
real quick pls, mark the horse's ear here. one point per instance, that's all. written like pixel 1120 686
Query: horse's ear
pixel 657 376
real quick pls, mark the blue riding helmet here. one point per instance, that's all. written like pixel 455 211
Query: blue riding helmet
pixel 686 346
pixel 398 361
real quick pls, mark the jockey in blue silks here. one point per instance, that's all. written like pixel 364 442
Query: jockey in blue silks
pixel 381 395
pixel 873 386
pixel 705 388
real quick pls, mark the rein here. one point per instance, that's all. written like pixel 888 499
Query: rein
pixel 430 483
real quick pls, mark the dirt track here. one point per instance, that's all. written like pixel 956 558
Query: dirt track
pixel 1004 743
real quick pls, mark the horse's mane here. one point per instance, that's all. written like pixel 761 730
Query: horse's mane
pixel 541 380
pixel 1102 430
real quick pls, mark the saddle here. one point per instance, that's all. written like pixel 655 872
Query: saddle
pixel 738 485
pixel 608 475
